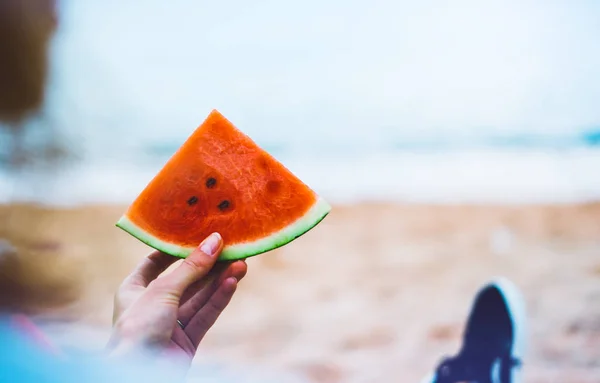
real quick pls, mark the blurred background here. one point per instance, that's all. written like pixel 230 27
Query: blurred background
pixel 456 140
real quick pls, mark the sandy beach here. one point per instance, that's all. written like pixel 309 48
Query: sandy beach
pixel 377 293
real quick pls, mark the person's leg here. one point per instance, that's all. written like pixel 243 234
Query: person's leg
pixel 493 341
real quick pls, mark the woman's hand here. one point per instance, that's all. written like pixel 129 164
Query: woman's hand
pixel 172 313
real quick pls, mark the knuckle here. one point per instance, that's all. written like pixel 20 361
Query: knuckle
pixel 198 262
pixel 164 290
pixel 217 306
pixel 159 285
pixel 204 325
pixel 206 321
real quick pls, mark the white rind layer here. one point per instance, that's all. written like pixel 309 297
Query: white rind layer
pixel 313 216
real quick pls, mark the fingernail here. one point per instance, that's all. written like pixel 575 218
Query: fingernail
pixel 211 244
pixel 232 282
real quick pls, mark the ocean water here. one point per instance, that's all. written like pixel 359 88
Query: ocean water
pixel 492 174
pixel 374 100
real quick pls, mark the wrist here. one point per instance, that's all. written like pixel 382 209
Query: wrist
pixel 142 362
pixel 128 350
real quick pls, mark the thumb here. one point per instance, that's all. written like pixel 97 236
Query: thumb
pixel 194 267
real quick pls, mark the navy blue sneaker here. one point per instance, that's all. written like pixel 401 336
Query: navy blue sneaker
pixel 493 340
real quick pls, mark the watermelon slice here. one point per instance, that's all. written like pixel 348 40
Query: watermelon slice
pixel 221 181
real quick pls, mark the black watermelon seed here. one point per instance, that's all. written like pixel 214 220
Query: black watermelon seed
pixel 223 205
pixel 211 182
pixel 192 201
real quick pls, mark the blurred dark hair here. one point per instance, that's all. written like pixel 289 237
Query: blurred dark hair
pixel 26 27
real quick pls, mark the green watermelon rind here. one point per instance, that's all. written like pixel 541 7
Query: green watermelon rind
pixel 309 220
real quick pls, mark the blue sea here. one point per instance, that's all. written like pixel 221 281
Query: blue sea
pixel 373 100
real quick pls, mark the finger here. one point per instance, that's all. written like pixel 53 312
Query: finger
pixel 207 315
pixel 218 274
pixel 200 296
pixel 215 273
pixel 150 268
pixel 193 268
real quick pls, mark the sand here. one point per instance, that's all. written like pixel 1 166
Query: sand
pixel 377 293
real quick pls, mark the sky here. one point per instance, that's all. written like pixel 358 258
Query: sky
pixel 337 69
pixel 358 82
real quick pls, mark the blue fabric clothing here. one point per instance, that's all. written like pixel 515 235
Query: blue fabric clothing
pixel 23 361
